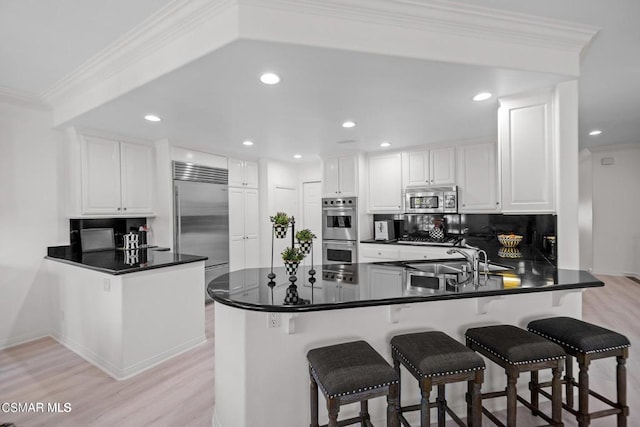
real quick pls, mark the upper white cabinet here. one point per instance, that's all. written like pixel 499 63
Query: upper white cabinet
pixel 385 183
pixel 526 143
pixel 340 176
pixel 243 173
pixel 435 166
pixel 477 178
pixel 243 228
pixel 116 177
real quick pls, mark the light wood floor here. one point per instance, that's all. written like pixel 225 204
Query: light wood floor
pixel 180 392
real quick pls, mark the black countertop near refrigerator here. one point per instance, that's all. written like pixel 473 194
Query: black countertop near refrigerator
pixel 120 261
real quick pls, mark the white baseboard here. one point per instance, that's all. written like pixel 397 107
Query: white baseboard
pixel 122 373
pixel 23 339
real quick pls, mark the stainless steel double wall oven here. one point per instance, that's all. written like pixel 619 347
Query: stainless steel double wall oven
pixel 339 230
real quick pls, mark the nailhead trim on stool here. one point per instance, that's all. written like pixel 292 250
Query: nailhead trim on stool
pixel 587 342
pixel 347 373
pixel 517 350
pixel 434 358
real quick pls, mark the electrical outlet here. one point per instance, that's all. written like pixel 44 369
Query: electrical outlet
pixel 273 320
pixel 107 285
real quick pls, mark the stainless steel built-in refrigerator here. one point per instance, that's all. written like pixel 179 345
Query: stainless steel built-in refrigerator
pixel 201 215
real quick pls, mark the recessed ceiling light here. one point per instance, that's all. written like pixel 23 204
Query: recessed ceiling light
pixel 482 96
pixel 348 124
pixel 595 132
pixel 152 118
pixel 297 156
pixel 385 144
pixel 269 78
pixel 247 143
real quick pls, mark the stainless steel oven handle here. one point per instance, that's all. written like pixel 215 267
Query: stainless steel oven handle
pixel 338 210
pixel 339 243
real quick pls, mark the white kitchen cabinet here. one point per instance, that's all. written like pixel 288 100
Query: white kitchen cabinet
pixel 526 147
pixel 243 228
pixel 371 252
pixel 243 173
pixel 116 177
pixel 374 252
pixel 340 176
pixel 384 282
pixel 435 166
pixel 477 178
pixel 385 183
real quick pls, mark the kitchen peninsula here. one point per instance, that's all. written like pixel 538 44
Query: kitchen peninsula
pixel 126 311
pixel 261 368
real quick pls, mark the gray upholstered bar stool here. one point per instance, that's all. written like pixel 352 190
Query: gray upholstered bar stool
pixel 587 342
pixel 434 358
pixel 348 373
pixel 517 350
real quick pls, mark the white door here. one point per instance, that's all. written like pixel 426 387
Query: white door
pixel 236 229
pixel 236 172
pixel 251 227
pixel 137 168
pixel 100 176
pixel 312 215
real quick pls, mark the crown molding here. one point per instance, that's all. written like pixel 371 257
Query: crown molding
pixel 448 17
pixel 23 99
pixel 175 19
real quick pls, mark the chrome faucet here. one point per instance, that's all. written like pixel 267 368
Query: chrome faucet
pixel 473 260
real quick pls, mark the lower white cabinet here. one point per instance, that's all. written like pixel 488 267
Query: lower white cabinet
pixel 373 252
pixel 243 228
pixel 385 282
pixel 478 188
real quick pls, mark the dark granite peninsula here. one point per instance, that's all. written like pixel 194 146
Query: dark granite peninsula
pixel 126 310
pixel 261 343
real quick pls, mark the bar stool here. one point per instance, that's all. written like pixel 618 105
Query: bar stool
pixel 434 358
pixel 348 373
pixel 587 342
pixel 517 350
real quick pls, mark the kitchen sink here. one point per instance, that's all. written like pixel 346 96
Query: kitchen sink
pixel 454 267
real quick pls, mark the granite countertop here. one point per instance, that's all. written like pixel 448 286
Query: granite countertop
pixel 120 261
pixel 340 286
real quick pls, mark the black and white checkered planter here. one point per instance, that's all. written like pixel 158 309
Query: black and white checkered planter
pixel 281 231
pixel 291 267
pixel 305 246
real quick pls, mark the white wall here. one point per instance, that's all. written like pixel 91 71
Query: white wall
pixel 585 210
pixel 32 202
pixel 616 203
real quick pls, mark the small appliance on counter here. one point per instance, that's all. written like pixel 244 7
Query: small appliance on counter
pixel 384 230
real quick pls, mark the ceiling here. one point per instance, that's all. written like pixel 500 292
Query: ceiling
pixel 217 102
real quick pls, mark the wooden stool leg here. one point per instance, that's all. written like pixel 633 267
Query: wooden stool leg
pixel 568 381
pixel 512 396
pixel 393 402
pixel 535 397
pixel 313 389
pixel 442 401
pixel 583 391
pixel 474 418
pixel 333 407
pixel 556 395
pixel 621 389
pixel 364 412
pixel 425 409
pixel 396 366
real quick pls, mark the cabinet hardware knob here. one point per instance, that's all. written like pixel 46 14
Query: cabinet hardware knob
pixel 124 209
pixel 497 203
pixel 118 208
pixel 463 205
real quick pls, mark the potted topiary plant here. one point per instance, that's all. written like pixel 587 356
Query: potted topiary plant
pixel 305 240
pixel 280 224
pixel 292 258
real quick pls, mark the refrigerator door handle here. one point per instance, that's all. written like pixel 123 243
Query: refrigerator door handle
pixel 178 218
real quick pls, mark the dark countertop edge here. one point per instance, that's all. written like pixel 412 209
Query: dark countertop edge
pixel 127 271
pixel 395 301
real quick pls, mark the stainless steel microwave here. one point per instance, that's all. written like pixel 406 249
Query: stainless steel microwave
pixel 431 200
